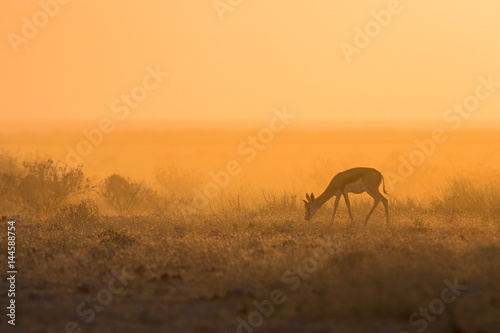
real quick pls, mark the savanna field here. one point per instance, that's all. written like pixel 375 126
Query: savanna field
pixel 153 234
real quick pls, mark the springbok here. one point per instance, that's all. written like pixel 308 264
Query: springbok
pixel 355 180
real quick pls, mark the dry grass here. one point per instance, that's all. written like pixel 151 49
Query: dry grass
pixel 202 274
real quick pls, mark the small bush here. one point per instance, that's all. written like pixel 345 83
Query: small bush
pixel 178 183
pixel 153 202
pixel 83 213
pixel 11 172
pixel 9 190
pixel 48 184
pixel 121 193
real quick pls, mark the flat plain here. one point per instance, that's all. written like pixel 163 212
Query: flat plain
pixel 247 261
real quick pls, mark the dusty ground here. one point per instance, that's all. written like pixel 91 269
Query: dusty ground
pixel 202 275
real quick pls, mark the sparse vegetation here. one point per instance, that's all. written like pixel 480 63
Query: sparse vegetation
pixel 201 274
pixel 216 266
pixel 462 195
pixel 121 193
pixel 83 214
pixel 44 186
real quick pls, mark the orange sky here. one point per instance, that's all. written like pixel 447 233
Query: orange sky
pixel 264 54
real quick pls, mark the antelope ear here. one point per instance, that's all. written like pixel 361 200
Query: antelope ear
pixel 306 201
pixel 307 197
pixel 312 196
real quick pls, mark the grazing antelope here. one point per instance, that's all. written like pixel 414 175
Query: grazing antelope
pixel 355 180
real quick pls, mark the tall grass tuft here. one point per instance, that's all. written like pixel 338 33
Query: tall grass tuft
pixel 463 195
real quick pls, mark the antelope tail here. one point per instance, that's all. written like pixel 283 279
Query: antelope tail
pixel 383 184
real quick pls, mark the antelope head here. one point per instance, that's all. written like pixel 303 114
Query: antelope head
pixel 311 208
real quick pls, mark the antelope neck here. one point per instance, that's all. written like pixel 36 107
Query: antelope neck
pixel 325 196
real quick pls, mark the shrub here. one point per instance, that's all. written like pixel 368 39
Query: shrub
pixel 85 212
pixel 10 174
pixel 178 183
pixel 48 184
pixel 9 164
pixel 121 193
pixel 153 202
pixel 9 190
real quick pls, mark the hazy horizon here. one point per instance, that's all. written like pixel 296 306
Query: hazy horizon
pixel 8 126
